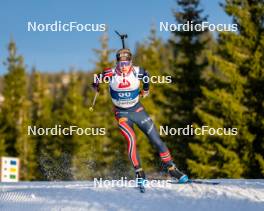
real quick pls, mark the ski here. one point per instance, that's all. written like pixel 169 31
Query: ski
pixel 196 182
pixel 204 182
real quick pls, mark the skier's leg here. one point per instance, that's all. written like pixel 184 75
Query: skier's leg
pixel 145 123
pixel 126 129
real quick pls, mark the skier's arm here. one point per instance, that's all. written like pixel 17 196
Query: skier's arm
pixel 145 77
pixel 100 77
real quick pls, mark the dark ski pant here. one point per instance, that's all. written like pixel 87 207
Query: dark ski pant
pixel 137 115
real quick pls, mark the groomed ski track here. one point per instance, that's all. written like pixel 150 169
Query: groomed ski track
pixel 228 195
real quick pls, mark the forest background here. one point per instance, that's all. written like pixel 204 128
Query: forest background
pixel 217 81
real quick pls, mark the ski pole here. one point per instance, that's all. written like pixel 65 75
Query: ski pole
pixel 91 107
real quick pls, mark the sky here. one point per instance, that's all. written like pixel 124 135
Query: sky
pixel 57 51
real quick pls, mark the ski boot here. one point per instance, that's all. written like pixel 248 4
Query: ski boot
pixel 140 179
pixel 177 174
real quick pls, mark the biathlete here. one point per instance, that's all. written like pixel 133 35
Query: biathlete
pixel 124 88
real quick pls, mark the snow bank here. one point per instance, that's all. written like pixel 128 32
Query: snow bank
pixel 228 195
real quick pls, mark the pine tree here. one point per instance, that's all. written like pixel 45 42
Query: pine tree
pixel 189 63
pixel 16 115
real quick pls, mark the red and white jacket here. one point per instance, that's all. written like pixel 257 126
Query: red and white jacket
pixel 124 88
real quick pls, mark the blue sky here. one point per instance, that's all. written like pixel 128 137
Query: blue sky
pixel 56 51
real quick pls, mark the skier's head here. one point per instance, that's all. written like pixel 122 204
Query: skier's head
pixel 123 54
pixel 124 60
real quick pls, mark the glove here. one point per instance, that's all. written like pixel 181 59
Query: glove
pixel 95 87
pixel 144 93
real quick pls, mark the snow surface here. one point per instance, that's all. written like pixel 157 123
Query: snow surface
pixel 228 195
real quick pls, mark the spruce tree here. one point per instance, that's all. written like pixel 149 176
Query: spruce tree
pixel 56 157
pixel 111 147
pixel 2 140
pixel 249 15
pixel 153 55
pixel 231 99
pixel 16 114
pixel 101 155
pixel 188 65
pixel 41 105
